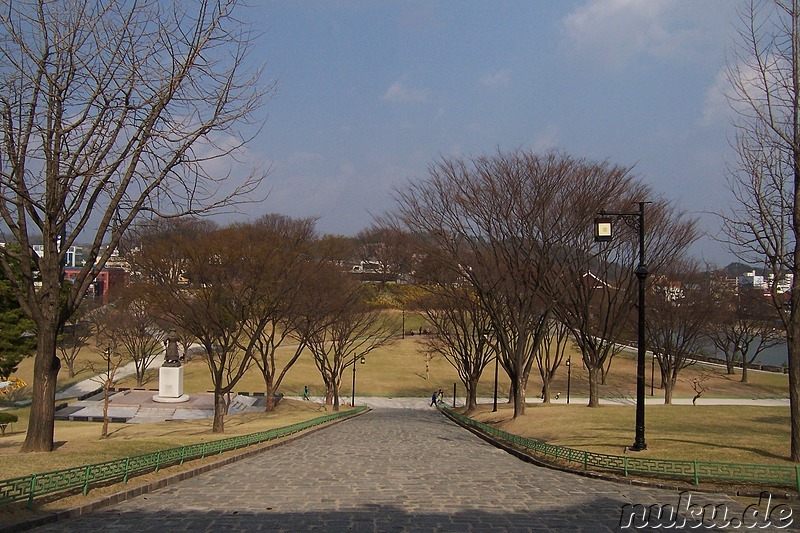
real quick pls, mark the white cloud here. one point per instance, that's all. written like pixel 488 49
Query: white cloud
pixel 716 107
pixel 613 32
pixel 400 92
pixel 725 99
pixel 547 139
pixel 500 78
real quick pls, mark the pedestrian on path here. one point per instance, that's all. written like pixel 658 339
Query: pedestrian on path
pixel 305 392
pixel 433 398
pixel 440 397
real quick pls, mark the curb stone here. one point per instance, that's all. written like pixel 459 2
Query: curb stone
pixel 146 488
pixel 638 482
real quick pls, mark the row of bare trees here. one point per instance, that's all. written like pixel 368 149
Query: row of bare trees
pixel 509 267
pixel 248 291
pixel 514 232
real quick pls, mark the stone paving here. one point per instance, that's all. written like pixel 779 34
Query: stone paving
pixel 388 470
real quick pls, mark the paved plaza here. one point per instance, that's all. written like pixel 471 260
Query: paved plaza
pixel 388 470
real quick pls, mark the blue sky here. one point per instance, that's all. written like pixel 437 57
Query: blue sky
pixel 370 92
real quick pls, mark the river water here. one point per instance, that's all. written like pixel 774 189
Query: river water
pixel 777 356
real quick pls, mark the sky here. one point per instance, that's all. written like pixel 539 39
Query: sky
pixel 369 93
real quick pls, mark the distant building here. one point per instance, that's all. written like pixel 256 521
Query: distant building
pixel 784 284
pixel 104 285
pixel 751 279
pixel 74 255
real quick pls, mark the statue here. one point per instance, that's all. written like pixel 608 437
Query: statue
pixel 170 375
pixel 171 358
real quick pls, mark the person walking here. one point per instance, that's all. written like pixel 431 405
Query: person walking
pixel 433 398
pixel 305 392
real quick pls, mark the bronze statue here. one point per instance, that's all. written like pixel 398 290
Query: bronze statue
pixel 171 357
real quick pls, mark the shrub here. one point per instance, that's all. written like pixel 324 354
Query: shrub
pixel 5 420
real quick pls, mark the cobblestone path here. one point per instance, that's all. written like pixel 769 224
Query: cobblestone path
pixel 389 470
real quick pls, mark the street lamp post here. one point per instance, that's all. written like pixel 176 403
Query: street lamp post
pixel 486 334
pixel 652 374
pixel 494 408
pixel 569 376
pixel 603 225
pixel 353 398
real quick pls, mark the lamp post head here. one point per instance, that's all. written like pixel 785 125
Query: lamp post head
pixel 603 228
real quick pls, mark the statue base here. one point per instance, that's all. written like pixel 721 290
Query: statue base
pixel 170 385
pixel 161 399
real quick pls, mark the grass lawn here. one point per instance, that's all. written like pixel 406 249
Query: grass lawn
pixel 749 435
pixel 79 443
pixel 728 434
pixel 400 370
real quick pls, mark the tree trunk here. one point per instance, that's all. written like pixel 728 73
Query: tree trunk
pixel 472 395
pixel 594 389
pixel 546 392
pixel 335 393
pixel 39 437
pixel 519 398
pixel 729 363
pixel 220 407
pixel 669 387
pixel 269 395
pixel 104 432
pixel 330 395
pixel 744 370
pixel 793 344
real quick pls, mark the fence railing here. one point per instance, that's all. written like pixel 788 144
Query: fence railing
pixel 84 477
pixel 691 471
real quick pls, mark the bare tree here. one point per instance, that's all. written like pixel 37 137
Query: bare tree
pixel 339 329
pixel 74 336
pixel 387 247
pixel 745 329
pixel 764 222
pixel 461 333
pixel 680 308
pixel 149 249
pixel 132 324
pixel 598 285
pixel 105 374
pixel 700 384
pixel 551 354
pixel 213 304
pixel 110 111
pixel 282 276
pixel 516 227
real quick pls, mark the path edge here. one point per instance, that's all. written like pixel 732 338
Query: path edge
pixel 638 482
pixel 145 488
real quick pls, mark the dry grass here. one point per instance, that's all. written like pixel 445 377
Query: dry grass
pixel 730 434
pixel 79 443
pixel 400 370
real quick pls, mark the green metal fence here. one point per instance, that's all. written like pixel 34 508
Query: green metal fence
pixel 84 477
pixel 691 471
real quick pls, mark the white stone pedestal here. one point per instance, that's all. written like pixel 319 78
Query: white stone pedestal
pixel 170 385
